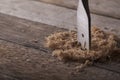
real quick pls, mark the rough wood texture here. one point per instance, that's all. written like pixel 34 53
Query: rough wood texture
pixel 110 8
pixel 103 7
pixel 34 62
pixel 27 33
pixel 53 15
pixel 64 3
pixel 22 63
pixel 39 12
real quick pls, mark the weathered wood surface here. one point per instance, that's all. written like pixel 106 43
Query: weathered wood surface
pixel 109 8
pixel 27 33
pixel 22 63
pixel 34 61
pixel 53 15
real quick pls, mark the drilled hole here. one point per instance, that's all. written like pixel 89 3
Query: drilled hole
pixel 83 35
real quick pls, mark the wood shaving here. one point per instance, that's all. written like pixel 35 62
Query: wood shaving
pixel 65 45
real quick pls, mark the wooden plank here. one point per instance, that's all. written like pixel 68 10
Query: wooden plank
pixel 21 63
pixel 39 12
pixel 110 8
pixel 102 7
pixel 72 4
pixel 23 32
pixel 48 14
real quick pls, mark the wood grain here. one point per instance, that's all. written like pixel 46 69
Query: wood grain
pixel 31 63
pixel 53 15
pixel 109 8
pixel 21 63
pixel 25 40
pixel 23 32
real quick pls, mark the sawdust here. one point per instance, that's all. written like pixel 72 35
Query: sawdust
pixel 65 45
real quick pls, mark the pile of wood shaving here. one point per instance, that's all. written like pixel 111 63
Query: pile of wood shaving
pixel 65 45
